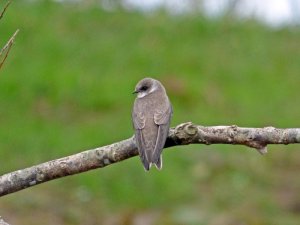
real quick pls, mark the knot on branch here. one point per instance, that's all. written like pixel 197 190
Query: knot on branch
pixel 232 131
pixel 40 176
pixel 104 158
pixel 256 140
pixel 260 147
pixel 185 132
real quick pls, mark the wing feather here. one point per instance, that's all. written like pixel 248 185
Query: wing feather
pixel 162 119
pixel 139 120
pixel 140 141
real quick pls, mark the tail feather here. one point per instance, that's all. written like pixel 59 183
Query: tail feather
pixel 158 163
pixel 146 165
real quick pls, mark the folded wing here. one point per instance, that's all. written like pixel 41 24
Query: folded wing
pixel 162 120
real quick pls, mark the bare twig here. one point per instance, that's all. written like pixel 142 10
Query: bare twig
pixel 4 9
pixel 6 49
pixel 183 134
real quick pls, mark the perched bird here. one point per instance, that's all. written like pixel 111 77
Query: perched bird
pixel 151 116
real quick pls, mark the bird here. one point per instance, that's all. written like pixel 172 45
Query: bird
pixel 151 115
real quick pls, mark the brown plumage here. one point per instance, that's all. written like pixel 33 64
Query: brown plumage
pixel 151 116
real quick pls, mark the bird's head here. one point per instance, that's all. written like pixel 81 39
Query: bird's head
pixel 145 87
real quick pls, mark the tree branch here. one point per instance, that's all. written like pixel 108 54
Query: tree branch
pixel 183 134
pixel 2 222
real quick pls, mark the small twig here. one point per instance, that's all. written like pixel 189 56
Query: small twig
pixel 4 9
pixel 7 48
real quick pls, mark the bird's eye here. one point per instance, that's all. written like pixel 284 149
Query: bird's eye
pixel 144 88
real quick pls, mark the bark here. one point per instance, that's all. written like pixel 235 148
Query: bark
pixel 2 222
pixel 183 134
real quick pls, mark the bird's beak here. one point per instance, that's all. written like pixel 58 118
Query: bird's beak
pixel 135 91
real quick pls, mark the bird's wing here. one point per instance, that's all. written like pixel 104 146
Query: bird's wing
pixel 162 119
pixel 139 121
pixel 163 116
pixel 141 144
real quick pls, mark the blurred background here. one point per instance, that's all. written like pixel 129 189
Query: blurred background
pixel 66 87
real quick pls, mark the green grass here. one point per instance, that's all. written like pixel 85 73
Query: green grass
pixel 66 87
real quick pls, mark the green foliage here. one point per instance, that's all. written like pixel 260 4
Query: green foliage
pixel 66 87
